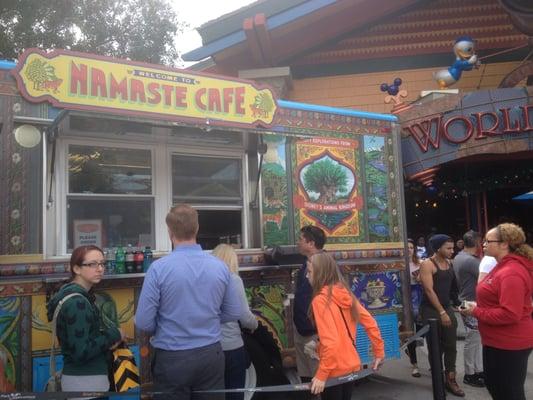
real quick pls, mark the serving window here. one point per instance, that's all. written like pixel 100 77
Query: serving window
pixel 115 189
pixel 213 185
pixel 109 200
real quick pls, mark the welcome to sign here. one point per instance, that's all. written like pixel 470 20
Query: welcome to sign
pixel 75 80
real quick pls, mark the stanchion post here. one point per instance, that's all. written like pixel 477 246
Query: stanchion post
pixel 435 360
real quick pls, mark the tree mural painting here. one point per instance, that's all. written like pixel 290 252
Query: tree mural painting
pixel 329 185
pixel 326 178
pixel 376 182
pixel 274 188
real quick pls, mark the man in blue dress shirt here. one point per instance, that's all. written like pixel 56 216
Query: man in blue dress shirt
pixel 185 297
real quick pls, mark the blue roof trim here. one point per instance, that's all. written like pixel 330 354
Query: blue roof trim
pixel 273 22
pixel 5 64
pixel 335 110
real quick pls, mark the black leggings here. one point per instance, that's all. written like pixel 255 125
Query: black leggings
pixel 505 372
pixel 411 347
pixel 339 392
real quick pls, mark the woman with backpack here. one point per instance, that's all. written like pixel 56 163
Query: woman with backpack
pixel 84 339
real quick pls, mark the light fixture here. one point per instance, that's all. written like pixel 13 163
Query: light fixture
pixel 27 136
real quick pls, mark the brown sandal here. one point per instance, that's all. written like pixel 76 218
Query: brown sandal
pixel 452 386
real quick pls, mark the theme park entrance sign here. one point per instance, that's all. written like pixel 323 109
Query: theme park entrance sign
pixel 88 82
pixel 476 126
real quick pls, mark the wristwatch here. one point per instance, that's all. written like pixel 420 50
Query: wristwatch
pixel 442 312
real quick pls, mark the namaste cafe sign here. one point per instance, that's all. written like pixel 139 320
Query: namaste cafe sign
pixel 88 82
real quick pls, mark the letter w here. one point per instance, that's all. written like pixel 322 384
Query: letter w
pixel 426 132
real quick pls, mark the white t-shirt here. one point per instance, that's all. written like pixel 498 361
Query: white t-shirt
pixel 487 264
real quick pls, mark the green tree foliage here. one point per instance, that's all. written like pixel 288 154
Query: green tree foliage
pixel 327 178
pixel 141 30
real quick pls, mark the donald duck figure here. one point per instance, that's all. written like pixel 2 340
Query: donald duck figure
pixel 465 61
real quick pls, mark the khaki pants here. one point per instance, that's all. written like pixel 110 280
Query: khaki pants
pixel 305 365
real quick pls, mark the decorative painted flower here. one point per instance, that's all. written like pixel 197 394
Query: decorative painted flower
pixel 16 187
pixel 16 158
pixel 15 240
pixel 15 214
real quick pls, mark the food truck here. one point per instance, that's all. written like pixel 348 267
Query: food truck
pixel 95 150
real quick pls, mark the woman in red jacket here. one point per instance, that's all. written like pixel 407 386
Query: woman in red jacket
pixel 504 311
pixel 336 312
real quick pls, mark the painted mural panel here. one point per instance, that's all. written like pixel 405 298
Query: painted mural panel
pixel 274 187
pixel 266 303
pixel 376 174
pixel 116 306
pixel 9 342
pixel 327 187
pixel 377 291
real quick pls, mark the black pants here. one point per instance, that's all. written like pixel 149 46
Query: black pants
pixel 411 347
pixel 184 371
pixel 505 372
pixel 339 392
pixel 235 372
pixel 447 335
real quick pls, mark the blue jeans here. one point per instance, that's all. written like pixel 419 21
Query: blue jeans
pixel 235 371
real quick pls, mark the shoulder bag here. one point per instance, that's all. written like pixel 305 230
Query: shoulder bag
pixel 54 382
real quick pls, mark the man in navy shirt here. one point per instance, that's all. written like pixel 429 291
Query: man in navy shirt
pixel 311 241
pixel 185 297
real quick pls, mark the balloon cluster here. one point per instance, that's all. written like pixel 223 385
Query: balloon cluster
pixel 392 89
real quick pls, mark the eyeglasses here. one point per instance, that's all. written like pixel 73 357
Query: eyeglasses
pixel 492 241
pixel 94 264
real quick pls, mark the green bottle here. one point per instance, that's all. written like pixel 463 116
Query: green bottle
pixel 120 261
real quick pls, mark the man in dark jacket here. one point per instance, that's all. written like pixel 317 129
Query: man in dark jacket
pixel 311 241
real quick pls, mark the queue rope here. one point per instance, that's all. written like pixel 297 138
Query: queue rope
pixel 352 377
pixel 418 335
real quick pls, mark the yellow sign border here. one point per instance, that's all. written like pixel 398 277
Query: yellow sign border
pixel 252 111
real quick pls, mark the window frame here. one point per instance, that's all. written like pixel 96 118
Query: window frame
pixel 227 153
pixel 162 148
pixel 62 185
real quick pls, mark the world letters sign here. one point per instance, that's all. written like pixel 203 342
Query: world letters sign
pixel 89 82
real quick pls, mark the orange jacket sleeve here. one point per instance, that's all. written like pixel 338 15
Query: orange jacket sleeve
pixel 372 330
pixel 329 337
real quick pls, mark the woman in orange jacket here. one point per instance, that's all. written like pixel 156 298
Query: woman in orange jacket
pixel 336 312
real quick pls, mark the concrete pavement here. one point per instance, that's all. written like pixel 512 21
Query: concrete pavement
pixel 394 381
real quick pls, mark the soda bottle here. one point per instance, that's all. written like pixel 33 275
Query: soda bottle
pixel 130 265
pixel 120 261
pixel 110 262
pixel 138 258
pixel 148 258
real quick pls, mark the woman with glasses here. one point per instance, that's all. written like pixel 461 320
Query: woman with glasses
pixel 504 310
pixel 85 341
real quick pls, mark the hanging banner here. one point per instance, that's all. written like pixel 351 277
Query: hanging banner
pixel 82 81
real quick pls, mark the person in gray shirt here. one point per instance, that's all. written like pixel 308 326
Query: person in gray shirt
pixel 232 343
pixel 466 267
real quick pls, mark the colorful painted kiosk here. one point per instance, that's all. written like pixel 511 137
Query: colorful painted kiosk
pixel 96 150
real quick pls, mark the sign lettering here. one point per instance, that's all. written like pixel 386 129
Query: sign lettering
pixel 479 125
pixel 89 82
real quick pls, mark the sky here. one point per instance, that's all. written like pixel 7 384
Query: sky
pixel 197 12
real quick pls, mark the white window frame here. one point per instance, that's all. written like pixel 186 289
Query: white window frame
pixel 228 153
pixel 62 184
pixel 162 148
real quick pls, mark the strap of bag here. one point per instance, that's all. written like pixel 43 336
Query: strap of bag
pixel 54 327
pixel 346 325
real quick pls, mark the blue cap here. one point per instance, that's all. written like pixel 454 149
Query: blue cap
pixel 436 241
